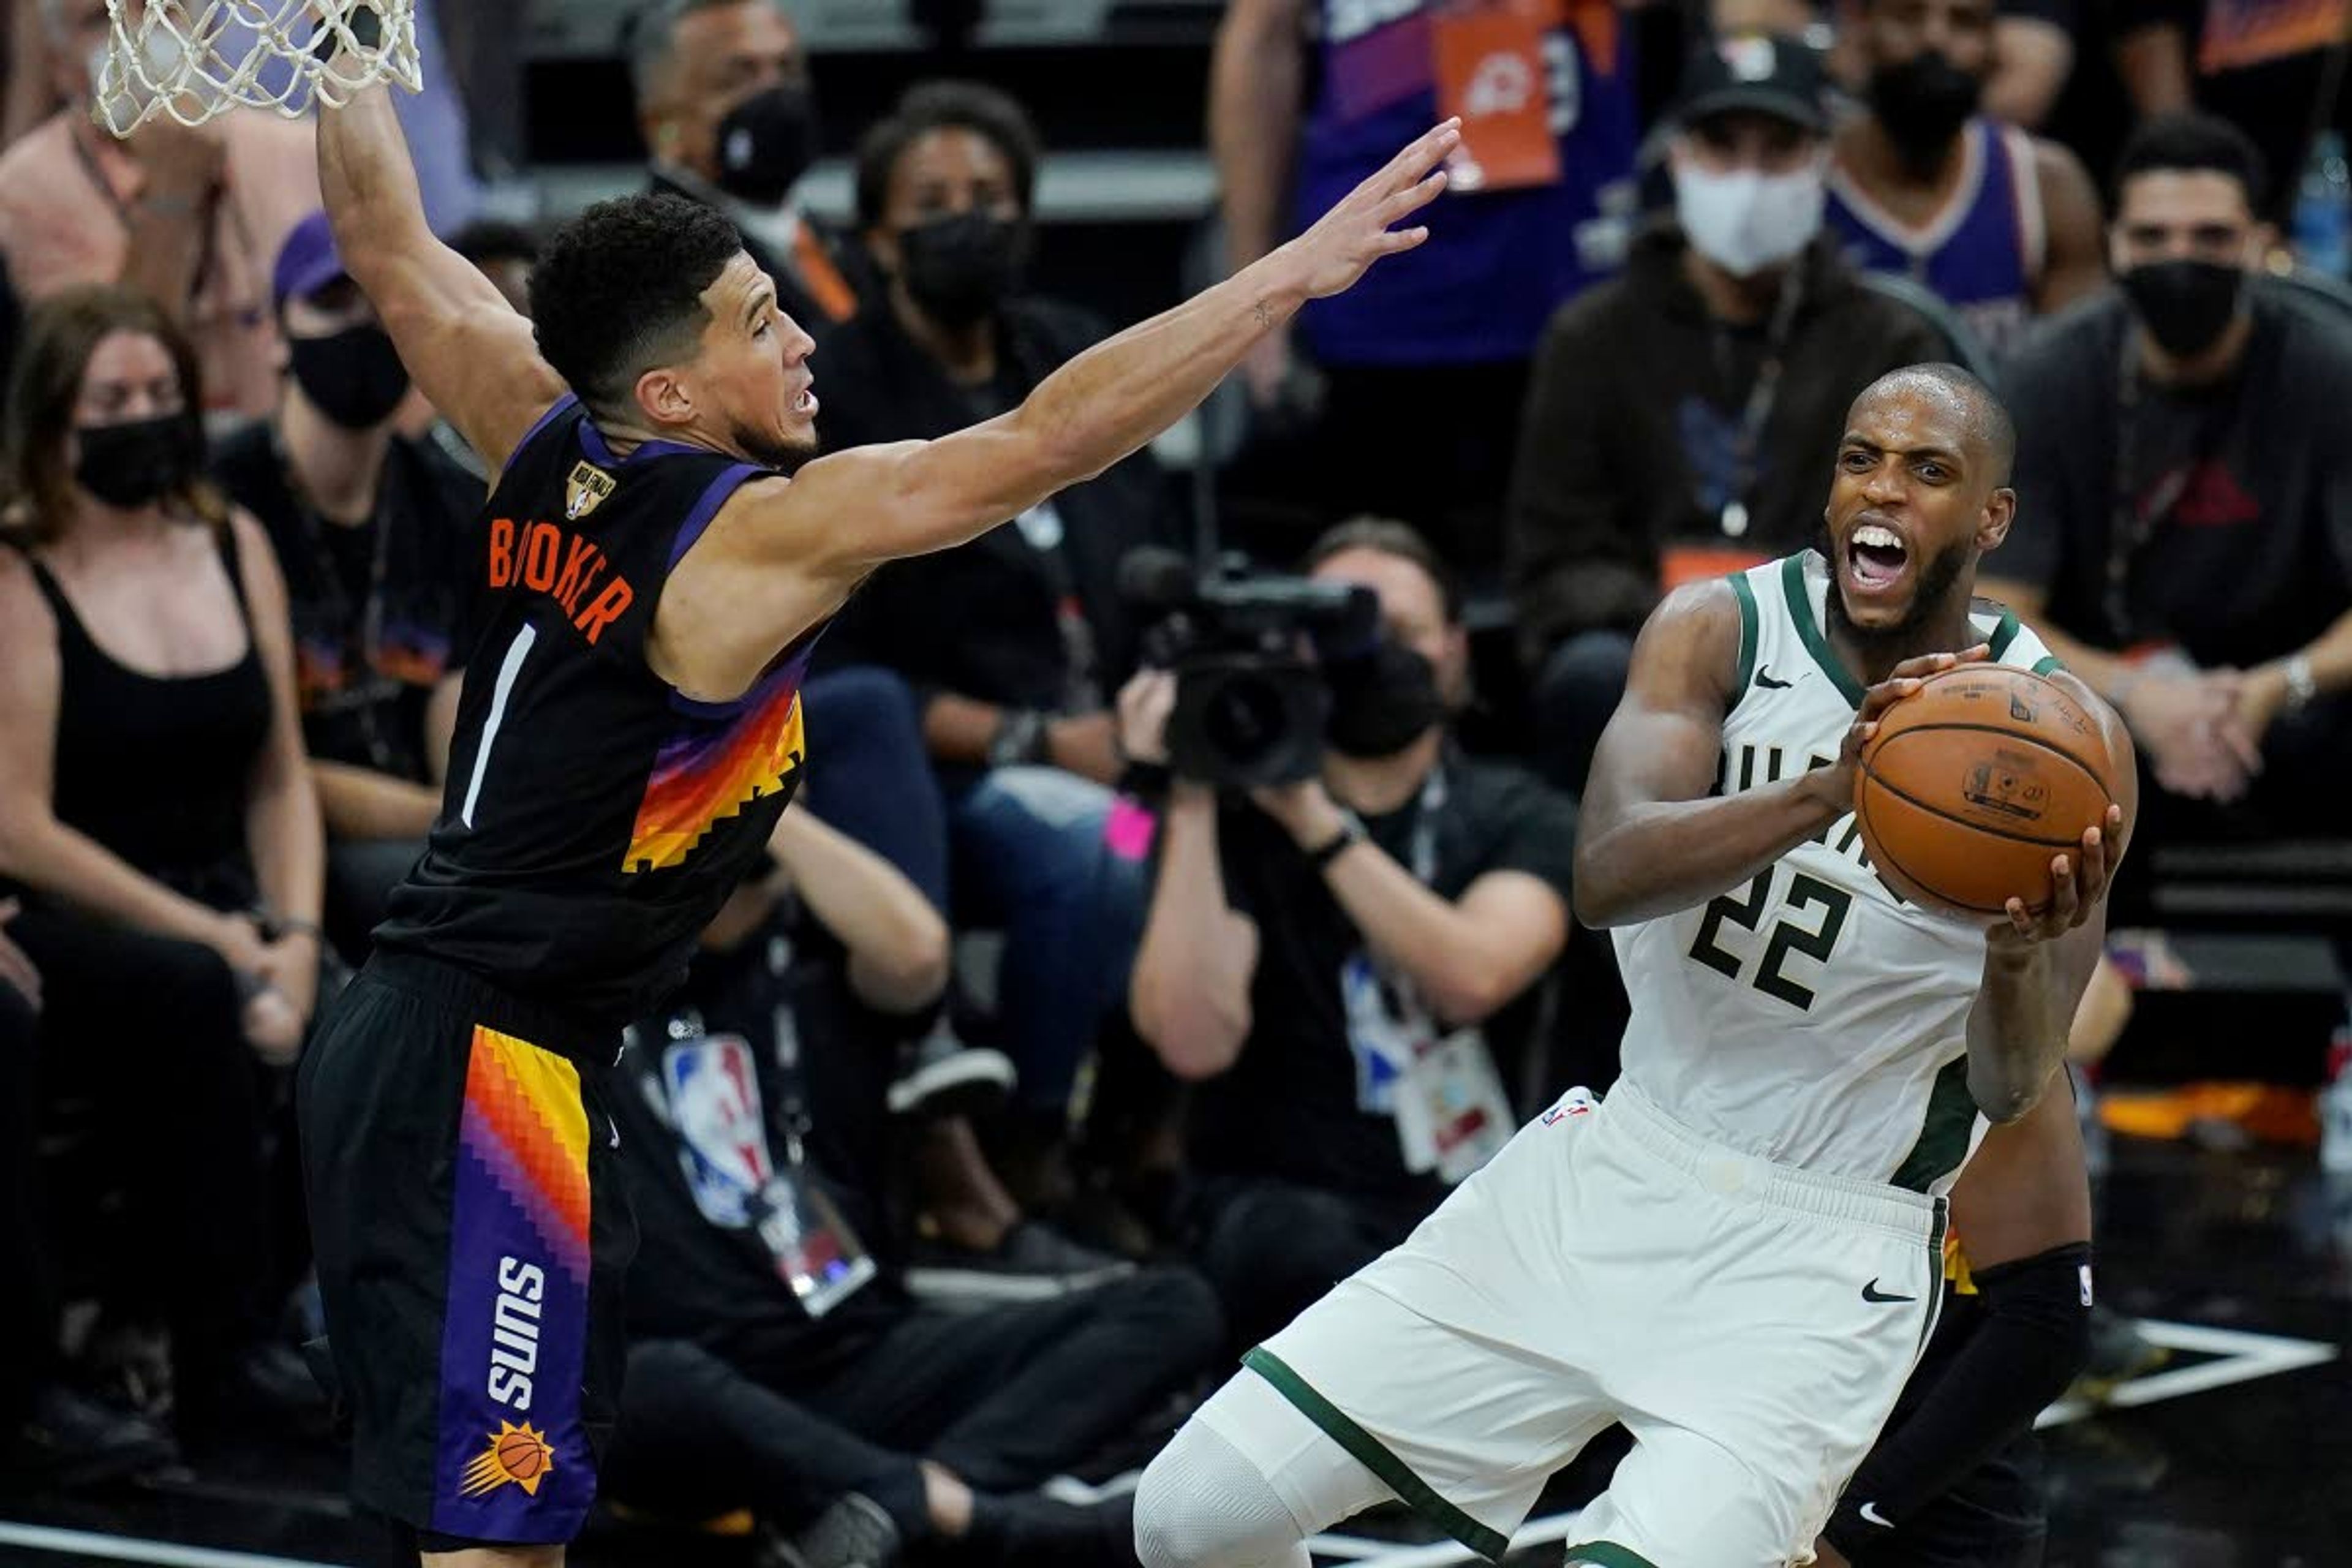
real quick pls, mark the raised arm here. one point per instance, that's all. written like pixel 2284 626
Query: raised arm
pixel 849 512
pixel 465 345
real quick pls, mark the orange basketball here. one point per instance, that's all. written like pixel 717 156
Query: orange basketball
pixel 1974 782
pixel 521 1453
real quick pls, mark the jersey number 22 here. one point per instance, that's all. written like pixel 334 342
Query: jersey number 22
pixel 1747 911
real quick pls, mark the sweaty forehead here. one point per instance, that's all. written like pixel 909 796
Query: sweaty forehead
pixel 1905 415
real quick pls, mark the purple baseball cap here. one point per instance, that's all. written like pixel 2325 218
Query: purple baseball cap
pixel 307 262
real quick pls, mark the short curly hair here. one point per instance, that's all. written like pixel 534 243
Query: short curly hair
pixel 619 291
pixel 995 116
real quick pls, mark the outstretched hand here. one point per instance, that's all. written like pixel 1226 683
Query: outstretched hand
pixel 1358 231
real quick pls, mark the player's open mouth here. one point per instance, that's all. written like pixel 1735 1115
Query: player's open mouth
pixel 806 401
pixel 1875 557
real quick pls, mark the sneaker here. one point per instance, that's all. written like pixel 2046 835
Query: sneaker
pixel 1040 1532
pixel 855 1533
pixel 1033 1263
pixel 939 1076
pixel 69 1439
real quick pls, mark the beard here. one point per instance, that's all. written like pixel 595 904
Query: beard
pixel 1938 577
pixel 786 454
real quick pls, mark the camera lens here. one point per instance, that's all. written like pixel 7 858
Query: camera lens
pixel 1245 718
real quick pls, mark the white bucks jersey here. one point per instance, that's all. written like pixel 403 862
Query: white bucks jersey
pixel 1811 1015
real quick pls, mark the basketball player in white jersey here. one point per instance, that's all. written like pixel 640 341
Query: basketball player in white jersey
pixel 1738 1256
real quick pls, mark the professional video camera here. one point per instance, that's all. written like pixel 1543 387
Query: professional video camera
pixel 1252 705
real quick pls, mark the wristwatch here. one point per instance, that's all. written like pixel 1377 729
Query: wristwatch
pixel 1332 849
pixel 2301 684
pixel 1020 738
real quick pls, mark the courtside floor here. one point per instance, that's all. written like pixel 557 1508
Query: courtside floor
pixel 2236 1453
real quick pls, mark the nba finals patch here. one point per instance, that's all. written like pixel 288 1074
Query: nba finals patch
pixel 585 490
pixel 517 1456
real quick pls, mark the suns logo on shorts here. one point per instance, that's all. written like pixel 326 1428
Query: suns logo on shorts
pixel 519 1456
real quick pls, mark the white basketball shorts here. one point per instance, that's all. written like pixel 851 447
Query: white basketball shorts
pixel 1750 1325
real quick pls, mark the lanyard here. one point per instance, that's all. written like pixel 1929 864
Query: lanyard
pixel 1762 395
pixel 792 1101
pixel 1424 851
pixel 361 633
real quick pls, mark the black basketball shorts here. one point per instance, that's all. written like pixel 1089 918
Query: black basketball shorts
pixel 471 1234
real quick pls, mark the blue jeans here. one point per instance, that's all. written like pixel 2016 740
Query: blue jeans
pixel 1033 858
pixel 870 776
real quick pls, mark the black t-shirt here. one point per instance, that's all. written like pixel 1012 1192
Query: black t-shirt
pixel 2246 486
pixel 364 689
pixel 1287 1110
pixel 703 1274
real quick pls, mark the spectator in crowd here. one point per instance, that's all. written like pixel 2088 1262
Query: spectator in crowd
pixel 1431 356
pixel 157 810
pixel 2002 225
pixel 2032 59
pixel 750 1136
pixel 723 103
pixel 2275 70
pixel 51 1433
pixel 1307 945
pixel 1012 641
pixel 1682 416
pixel 2185 463
pixel 191 218
pixel 368 527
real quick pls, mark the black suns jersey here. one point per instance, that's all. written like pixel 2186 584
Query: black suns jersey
pixel 595 818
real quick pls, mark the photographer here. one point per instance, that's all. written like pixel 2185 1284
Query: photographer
pixel 1319 955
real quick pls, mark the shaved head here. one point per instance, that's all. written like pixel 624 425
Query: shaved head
pixel 1985 421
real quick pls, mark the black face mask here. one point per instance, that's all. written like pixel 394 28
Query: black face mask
pixel 766 143
pixel 959 268
pixel 140 460
pixel 1923 103
pixel 2186 304
pixel 354 377
pixel 1381 702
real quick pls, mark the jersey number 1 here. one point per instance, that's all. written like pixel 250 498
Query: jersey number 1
pixel 1747 911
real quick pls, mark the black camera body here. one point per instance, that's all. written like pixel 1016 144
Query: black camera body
pixel 1252 702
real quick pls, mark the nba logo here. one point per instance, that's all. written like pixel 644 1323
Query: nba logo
pixel 1578 1101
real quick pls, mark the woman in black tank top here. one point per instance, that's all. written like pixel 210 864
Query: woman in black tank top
pixel 156 814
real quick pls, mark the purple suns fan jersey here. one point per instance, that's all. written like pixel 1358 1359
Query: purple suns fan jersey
pixel 1497 263
pixel 1983 254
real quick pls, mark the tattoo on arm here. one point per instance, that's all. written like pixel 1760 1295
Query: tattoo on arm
pixel 1265 313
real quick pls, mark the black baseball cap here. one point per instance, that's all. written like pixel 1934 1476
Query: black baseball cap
pixel 1761 72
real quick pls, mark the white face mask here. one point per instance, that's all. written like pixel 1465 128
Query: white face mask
pixel 1748 221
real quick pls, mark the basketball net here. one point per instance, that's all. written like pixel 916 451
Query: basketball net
pixel 192 60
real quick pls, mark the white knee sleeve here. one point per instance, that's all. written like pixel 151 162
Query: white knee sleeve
pixel 1202 1504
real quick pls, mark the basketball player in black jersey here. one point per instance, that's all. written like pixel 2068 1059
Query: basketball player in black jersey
pixel 646 585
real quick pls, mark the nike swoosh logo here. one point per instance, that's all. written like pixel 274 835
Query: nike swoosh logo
pixel 1764 680
pixel 1871 1292
pixel 1870 1515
